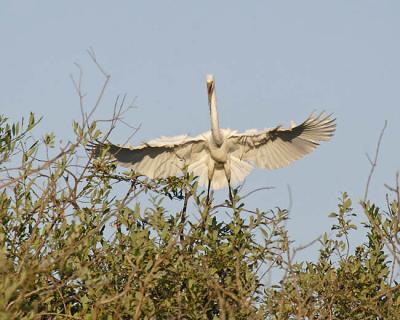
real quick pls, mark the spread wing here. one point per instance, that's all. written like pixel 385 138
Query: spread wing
pixel 278 147
pixel 159 158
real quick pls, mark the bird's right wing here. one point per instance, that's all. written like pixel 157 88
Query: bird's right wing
pixel 160 158
pixel 278 147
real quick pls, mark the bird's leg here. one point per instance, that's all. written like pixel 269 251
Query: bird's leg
pixel 230 191
pixel 227 169
pixel 211 168
pixel 183 216
pixel 208 192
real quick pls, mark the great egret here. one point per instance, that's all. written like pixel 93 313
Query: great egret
pixel 222 157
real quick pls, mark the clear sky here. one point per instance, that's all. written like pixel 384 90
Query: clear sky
pixel 274 61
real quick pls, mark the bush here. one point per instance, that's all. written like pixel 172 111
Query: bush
pixel 72 248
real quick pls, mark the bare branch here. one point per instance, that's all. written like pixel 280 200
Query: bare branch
pixel 78 88
pixel 256 190
pixel 375 161
pixel 106 81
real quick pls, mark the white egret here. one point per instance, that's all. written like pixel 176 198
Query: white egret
pixel 222 157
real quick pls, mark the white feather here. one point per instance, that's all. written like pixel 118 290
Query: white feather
pixel 221 153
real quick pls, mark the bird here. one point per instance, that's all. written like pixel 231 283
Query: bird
pixel 222 157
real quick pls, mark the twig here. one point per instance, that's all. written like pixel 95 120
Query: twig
pixel 103 89
pixel 396 190
pixel 67 316
pixel 305 246
pixel 78 89
pixel 256 190
pixel 374 162
pixel 38 169
pixel 121 294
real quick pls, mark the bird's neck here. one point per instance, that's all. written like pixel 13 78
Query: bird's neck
pixel 215 131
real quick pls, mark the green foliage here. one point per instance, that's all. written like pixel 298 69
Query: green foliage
pixel 71 247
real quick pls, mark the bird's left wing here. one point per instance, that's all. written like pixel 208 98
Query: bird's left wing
pixel 278 147
pixel 159 158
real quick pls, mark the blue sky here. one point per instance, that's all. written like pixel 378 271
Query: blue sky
pixel 274 61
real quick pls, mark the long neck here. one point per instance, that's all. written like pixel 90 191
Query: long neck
pixel 216 133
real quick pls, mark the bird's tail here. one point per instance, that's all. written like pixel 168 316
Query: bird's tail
pixel 239 171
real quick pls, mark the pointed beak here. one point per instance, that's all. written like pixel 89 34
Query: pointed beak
pixel 210 87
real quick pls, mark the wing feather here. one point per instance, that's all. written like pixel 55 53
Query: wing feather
pixel 278 147
pixel 160 158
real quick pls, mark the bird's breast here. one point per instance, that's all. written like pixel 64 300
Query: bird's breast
pixel 219 154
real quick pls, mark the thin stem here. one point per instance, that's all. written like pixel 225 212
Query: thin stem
pixel 374 162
